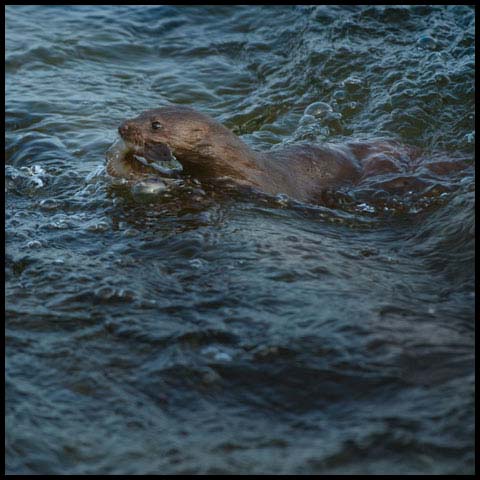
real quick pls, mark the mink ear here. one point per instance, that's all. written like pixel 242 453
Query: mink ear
pixel 157 152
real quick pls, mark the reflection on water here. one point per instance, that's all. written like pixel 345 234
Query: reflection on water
pixel 192 327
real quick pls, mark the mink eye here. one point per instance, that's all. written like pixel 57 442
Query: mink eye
pixel 156 125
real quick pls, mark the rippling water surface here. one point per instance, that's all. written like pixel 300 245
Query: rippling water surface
pixel 199 330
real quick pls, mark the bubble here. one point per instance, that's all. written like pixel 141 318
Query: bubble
pixel 149 187
pixel 196 263
pixel 131 232
pixel 100 226
pixel 110 293
pixel 146 191
pixel 215 353
pixel 222 357
pixel 49 204
pixel 34 244
pixel 57 225
pixel 326 83
pixel 318 109
pixel 427 42
pixel 282 199
pixel 34 172
pixel 365 207
pixel 353 83
pixel 105 292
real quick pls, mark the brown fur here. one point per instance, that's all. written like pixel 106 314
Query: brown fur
pixel 205 148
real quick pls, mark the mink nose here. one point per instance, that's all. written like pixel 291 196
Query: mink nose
pixel 125 128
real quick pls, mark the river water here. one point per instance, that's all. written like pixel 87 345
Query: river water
pixel 201 330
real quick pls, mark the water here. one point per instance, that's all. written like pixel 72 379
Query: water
pixel 192 329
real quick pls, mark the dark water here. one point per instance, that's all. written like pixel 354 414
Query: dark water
pixel 203 331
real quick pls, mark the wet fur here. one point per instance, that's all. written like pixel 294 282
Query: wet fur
pixel 205 148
